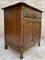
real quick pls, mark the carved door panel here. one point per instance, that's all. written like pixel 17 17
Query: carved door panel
pixel 36 31
pixel 27 32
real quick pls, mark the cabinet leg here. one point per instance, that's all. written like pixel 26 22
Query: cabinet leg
pixel 6 47
pixel 38 43
pixel 21 56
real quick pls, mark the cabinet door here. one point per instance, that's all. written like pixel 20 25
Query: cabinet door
pixel 36 31
pixel 27 32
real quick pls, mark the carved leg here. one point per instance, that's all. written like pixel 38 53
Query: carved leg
pixel 38 43
pixel 21 53
pixel 6 47
pixel 21 56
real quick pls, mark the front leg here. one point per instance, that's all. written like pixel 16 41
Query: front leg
pixel 6 47
pixel 39 43
pixel 21 56
pixel 21 53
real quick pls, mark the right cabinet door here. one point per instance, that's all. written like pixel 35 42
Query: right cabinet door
pixel 36 30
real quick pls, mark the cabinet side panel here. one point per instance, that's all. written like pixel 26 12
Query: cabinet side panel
pixel 12 26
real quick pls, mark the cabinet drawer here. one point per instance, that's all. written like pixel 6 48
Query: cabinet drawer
pixel 31 13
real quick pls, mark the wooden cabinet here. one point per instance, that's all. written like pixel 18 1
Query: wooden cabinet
pixel 22 26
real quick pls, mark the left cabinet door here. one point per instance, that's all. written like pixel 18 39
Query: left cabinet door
pixel 27 32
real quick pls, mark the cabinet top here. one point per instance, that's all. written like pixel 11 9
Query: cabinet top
pixel 21 4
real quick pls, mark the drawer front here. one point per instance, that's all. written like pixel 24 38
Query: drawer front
pixel 28 12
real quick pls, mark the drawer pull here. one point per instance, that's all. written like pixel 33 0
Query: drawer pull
pixel 29 23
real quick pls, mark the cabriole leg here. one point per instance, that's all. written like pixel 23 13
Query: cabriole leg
pixel 6 47
pixel 39 43
pixel 21 56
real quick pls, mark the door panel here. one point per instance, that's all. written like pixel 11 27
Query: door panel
pixel 27 31
pixel 36 31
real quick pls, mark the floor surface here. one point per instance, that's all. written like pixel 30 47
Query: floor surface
pixel 34 53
